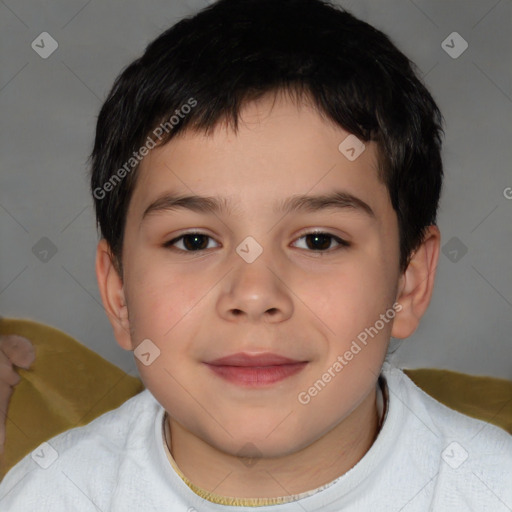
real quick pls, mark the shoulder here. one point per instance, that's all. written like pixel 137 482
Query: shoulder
pixel 445 423
pixel 470 456
pixel 83 460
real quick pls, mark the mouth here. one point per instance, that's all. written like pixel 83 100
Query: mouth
pixel 255 370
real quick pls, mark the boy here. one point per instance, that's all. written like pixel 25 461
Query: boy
pixel 297 144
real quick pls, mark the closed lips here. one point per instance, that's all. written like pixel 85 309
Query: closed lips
pixel 260 360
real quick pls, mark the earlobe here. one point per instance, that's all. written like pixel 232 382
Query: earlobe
pixel 112 294
pixel 417 284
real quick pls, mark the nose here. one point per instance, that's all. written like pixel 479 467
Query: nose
pixel 255 292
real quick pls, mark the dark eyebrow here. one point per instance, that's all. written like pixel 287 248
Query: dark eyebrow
pixel 337 200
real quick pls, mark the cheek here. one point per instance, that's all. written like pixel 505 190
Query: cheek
pixel 348 298
pixel 161 297
pixel 166 309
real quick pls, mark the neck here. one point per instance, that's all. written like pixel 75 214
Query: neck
pixel 319 463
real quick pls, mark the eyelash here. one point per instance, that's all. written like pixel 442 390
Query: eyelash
pixel 342 243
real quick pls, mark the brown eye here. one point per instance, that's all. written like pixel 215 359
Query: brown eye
pixel 322 242
pixel 190 242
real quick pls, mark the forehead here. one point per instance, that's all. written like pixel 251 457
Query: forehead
pixel 281 149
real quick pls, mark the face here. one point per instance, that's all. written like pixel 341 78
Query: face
pixel 304 283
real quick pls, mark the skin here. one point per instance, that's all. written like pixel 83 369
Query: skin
pixel 14 351
pixel 198 306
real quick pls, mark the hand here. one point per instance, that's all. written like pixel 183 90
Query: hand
pixel 14 351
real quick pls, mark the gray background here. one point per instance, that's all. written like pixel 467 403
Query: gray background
pixel 49 108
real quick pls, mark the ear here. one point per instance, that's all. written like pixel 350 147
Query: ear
pixel 416 285
pixel 112 294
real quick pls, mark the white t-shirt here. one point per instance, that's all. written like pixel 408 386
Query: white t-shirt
pixel 426 457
